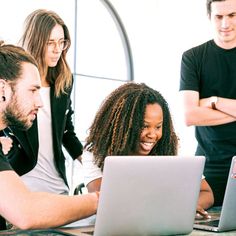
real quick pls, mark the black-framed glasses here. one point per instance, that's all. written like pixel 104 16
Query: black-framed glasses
pixel 62 44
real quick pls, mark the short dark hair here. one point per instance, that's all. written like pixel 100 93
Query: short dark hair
pixel 208 5
pixel 11 59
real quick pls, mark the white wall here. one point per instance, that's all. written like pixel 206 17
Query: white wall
pixel 159 31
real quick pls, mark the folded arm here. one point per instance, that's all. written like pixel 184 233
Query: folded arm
pixel 225 105
pixel 199 113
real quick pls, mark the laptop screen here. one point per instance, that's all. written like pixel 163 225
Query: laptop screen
pixel 148 195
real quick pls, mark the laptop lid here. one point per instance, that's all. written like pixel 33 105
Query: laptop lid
pixel 148 195
pixel 227 218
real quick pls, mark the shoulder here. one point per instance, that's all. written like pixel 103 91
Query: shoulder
pixel 87 157
pixel 199 49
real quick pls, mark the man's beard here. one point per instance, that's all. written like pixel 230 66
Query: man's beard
pixel 13 116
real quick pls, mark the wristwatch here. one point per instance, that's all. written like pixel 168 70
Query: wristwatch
pixel 213 101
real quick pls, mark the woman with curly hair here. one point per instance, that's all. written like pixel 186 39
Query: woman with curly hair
pixel 133 120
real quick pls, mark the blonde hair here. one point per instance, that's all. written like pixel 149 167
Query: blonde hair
pixel 38 27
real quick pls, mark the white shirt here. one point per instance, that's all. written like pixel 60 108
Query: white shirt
pixel 45 177
pixel 91 171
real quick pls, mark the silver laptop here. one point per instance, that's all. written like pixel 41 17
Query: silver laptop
pixel 226 219
pixel 147 195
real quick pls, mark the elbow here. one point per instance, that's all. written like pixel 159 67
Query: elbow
pixel 94 185
pixel 190 118
pixel 188 121
pixel 24 226
pixel 210 202
pixel 211 199
pixel 25 223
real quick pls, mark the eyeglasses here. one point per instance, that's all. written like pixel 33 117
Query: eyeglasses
pixel 62 44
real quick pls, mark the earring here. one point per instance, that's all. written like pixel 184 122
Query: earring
pixel 3 92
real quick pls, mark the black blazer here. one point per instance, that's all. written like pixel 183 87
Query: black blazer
pixel 23 157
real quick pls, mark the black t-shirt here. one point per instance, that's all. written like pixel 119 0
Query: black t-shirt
pixel 211 71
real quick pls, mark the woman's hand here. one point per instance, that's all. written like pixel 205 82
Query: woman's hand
pixel 201 213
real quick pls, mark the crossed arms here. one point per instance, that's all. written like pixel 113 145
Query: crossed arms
pixel 199 112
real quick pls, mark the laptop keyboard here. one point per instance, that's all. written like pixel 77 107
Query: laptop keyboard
pixel 213 223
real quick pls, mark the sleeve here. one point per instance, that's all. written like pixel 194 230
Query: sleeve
pixel 190 71
pixel 70 141
pixel 18 153
pixel 91 171
pixel 4 164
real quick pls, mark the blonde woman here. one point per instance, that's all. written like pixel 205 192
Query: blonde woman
pixel 47 38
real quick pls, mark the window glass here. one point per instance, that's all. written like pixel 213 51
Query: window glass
pixel 89 96
pixel 99 48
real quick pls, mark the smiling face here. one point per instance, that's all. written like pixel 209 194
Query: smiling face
pixel 25 99
pixel 53 49
pixel 223 19
pixel 152 128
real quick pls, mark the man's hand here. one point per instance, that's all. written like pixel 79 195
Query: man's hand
pixel 205 102
pixel 6 143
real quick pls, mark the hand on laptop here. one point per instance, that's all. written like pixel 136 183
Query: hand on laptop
pixel 201 213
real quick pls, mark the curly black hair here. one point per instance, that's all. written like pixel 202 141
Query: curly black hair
pixel 118 124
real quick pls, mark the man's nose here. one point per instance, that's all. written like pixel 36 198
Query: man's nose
pixel 225 22
pixel 39 101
